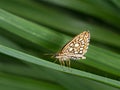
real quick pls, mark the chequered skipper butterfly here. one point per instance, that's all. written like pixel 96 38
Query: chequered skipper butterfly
pixel 75 49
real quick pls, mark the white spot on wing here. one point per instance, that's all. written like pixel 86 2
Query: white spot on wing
pixel 70 49
pixel 80 51
pixel 71 44
pixel 76 52
pixel 76 45
pixel 81 48
pixel 80 39
pixel 82 45
pixel 82 42
pixel 86 47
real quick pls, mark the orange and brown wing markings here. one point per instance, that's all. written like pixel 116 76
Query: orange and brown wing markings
pixel 87 40
pixel 71 44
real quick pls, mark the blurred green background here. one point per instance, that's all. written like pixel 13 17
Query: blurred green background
pixel 29 29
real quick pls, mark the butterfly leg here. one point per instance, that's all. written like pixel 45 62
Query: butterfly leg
pixel 68 63
pixel 62 63
pixel 55 60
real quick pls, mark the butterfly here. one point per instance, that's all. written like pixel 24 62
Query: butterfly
pixel 74 49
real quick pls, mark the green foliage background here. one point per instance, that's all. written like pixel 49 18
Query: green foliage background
pixel 29 29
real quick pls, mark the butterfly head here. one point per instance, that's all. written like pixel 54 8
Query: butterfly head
pixel 55 55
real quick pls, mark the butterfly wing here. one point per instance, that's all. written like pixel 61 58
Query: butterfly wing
pixel 78 45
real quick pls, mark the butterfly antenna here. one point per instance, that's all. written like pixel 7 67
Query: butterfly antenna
pixel 55 60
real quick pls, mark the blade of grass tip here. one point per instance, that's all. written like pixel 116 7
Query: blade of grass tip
pixel 37 61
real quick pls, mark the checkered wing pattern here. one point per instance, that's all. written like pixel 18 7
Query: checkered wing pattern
pixel 77 45
pixel 75 49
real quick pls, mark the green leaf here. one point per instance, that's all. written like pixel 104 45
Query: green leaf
pixel 37 61
pixel 37 34
pixel 29 29
pixel 61 21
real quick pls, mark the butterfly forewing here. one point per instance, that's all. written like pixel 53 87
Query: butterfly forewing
pixel 77 45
